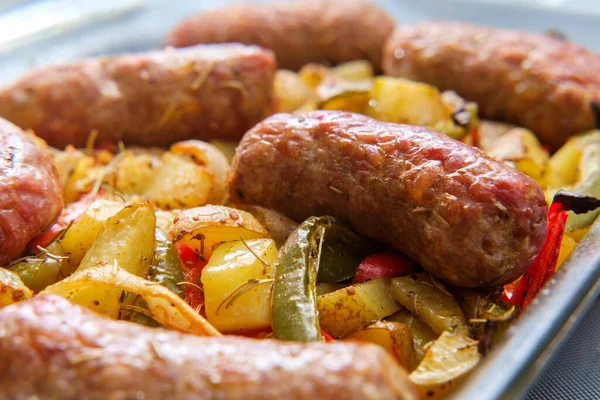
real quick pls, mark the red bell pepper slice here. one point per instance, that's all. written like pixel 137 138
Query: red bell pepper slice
pixel 327 337
pixel 194 264
pixel 523 290
pixel 389 263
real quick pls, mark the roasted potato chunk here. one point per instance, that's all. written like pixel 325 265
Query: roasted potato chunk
pixel 90 287
pixel 203 228
pixel 349 309
pixel 430 302
pixel 237 285
pixel 78 239
pixel 395 337
pixel 445 364
pixel 127 239
pixel 291 90
pixel 520 147
pixel 12 289
pixel 421 332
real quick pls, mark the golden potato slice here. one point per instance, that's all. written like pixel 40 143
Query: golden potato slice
pixel 406 102
pixel 227 147
pixel 561 169
pixel 488 132
pixel 90 287
pixel 395 337
pixel 78 239
pixel 203 228
pixel 237 285
pixel 126 238
pixel 291 90
pixel 170 181
pixel 520 147
pixel 430 302
pixel 421 332
pixel 313 73
pixel 349 309
pixel 211 157
pixel 446 363
pixel 12 289
pixel 354 70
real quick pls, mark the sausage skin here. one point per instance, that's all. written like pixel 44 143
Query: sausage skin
pixel 52 349
pixel 465 217
pixel 329 31
pixel 543 83
pixel 156 98
pixel 30 192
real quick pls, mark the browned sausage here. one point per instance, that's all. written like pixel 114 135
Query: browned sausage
pixel 51 349
pixel 465 217
pixel 330 31
pixel 537 81
pixel 204 92
pixel 30 193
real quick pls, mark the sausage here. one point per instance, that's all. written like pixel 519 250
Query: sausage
pixel 465 217
pixel 30 192
pixel 52 349
pixel 329 31
pixel 537 81
pixel 156 98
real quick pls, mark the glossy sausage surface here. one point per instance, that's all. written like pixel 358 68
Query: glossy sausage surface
pixel 299 32
pixel 30 192
pixel 156 98
pixel 52 349
pixel 465 217
pixel 542 83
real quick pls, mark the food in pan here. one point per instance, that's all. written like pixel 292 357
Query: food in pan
pixel 100 358
pixel 404 248
pixel 468 219
pixel 30 193
pixel 541 82
pixel 298 32
pixel 157 98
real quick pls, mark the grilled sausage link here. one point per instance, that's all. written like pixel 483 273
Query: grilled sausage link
pixel 157 98
pixel 330 31
pixel 541 82
pixel 30 192
pixel 465 217
pixel 51 349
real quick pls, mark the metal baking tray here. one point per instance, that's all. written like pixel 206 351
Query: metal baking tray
pixel 38 33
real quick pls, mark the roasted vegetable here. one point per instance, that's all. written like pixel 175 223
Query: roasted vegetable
pixel 12 289
pixel 523 290
pixel 349 309
pixel 279 226
pixel 421 333
pixel 341 253
pixel 445 364
pixel 291 90
pixel 237 285
pixel 169 181
pixel 390 264
pixel 521 148
pixel 203 228
pixel 414 103
pixel 212 158
pixel 294 302
pixel 90 287
pixel 124 240
pixel 354 70
pixel 78 239
pixel 166 267
pixel 45 268
pixel 395 337
pixel 428 300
